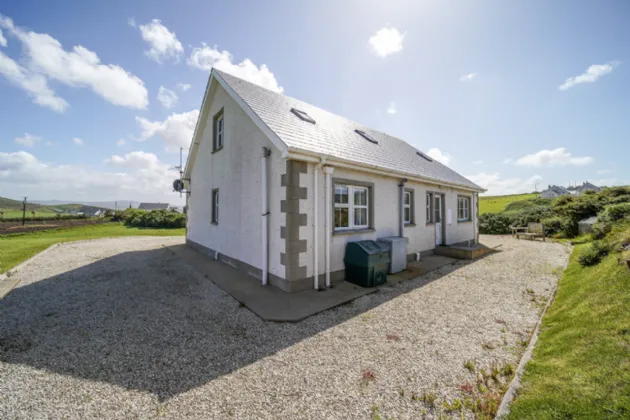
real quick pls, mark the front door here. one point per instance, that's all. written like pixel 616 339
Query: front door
pixel 438 219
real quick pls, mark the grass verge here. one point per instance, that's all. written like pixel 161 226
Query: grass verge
pixel 581 364
pixel 496 204
pixel 19 247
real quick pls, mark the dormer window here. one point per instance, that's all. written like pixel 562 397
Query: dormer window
pixel 303 115
pixel 422 155
pixel 366 136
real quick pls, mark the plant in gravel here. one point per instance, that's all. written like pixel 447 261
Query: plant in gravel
pixel 502 329
pixel 368 376
pixel 429 399
pixel 467 388
pixel 375 412
pixel 401 392
pixel 470 365
pixel 487 346
pixel 392 337
pixel 500 321
pixel 454 405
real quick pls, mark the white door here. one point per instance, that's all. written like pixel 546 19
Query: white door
pixel 438 219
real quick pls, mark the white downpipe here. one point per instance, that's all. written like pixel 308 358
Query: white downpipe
pixel 265 215
pixel 328 170
pixel 401 215
pixel 316 169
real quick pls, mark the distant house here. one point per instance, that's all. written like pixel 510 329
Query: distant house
pixel 154 206
pixel 554 191
pixel 587 186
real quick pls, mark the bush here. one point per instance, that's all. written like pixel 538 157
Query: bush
pixel 593 254
pixel 495 223
pixel 601 229
pixel 616 212
pixel 553 225
pixel 154 219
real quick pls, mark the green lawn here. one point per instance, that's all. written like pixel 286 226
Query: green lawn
pixel 21 246
pixel 9 214
pixel 496 204
pixel 581 363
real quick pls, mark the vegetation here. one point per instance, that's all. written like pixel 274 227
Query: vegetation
pixel 496 204
pixel 19 247
pixel 580 366
pixel 151 219
pixel 562 215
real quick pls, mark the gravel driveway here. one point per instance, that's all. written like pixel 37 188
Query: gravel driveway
pixel 121 328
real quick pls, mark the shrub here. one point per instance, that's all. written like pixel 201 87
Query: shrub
pixel 495 223
pixel 593 254
pixel 154 219
pixel 616 211
pixel 601 229
pixel 553 225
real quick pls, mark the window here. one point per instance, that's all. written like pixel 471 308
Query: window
pixel 215 206
pixel 218 131
pixel 366 136
pixel 408 207
pixel 303 115
pixel 422 155
pixel 351 207
pixel 463 208
pixel 429 207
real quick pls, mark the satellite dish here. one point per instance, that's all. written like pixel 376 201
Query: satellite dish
pixel 178 185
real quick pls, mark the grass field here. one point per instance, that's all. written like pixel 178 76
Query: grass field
pixel 581 364
pixel 8 214
pixel 496 204
pixel 19 247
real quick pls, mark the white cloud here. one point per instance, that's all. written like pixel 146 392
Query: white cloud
pixel 391 109
pixel 3 40
pixel 27 140
pixel 167 97
pixel 591 75
pixel 478 162
pixel 176 131
pixel 34 84
pixel 164 44
pixel 45 58
pixel 120 142
pixel 468 77
pixel 556 157
pixel 205 58
pixel 499 186
pixel 137 175
pixel 610 182
pixel 131 22
pixel 604 171
pixel 443 158
pixel 183 87
pixel 386 41
pixel 77 141
pixel 508 160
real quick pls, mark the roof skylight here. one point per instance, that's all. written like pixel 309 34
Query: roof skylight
pixel 303 115
pixel 366 136
pixel 424 156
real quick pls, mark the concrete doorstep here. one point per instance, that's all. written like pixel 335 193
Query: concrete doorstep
pixel 273 304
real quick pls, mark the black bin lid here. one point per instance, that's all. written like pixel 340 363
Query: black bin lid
pixel 370 247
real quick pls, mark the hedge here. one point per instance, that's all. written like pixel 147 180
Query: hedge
pixel 153 219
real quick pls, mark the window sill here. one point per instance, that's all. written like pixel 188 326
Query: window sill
pixel 410 225
pixel 464 221
pixel 214 223
pixel 217 149
pixel 352 231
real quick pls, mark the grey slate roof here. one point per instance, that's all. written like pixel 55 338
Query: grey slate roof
pixel 335 136
pixel 558 189
pixel 153 206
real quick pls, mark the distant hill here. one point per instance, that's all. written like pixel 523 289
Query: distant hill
pixel 9 204
pixel 122 204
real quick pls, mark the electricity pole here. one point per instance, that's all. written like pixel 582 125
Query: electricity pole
pixel 24 211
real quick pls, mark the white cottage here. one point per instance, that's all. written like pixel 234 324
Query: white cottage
pixel 278 187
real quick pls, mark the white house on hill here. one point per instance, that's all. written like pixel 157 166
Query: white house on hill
pixel 554 191
pixel 278 187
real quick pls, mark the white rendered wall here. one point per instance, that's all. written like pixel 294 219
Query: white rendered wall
pixel 235 170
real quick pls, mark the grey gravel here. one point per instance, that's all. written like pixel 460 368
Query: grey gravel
pixel 121 328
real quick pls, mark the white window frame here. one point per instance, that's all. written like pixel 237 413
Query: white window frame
pixel 463 209
pixel 409 206
pixel 214 207
pixel 220 125
pixel 351 206
pixel 429 207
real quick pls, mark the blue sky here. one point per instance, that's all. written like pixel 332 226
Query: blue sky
pixel 510 94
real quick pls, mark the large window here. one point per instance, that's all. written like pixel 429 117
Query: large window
pixel 429 207
pixel 215 207
pixel 351 207
pixel 408 205
pixel 463 208
pixel 218 131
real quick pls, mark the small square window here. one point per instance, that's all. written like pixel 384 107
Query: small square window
pixel 422 155
pixel 463 208
pixel 351 207
pixel 366 136
pixel 303 115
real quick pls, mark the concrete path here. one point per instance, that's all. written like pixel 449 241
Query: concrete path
pixel 273 304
